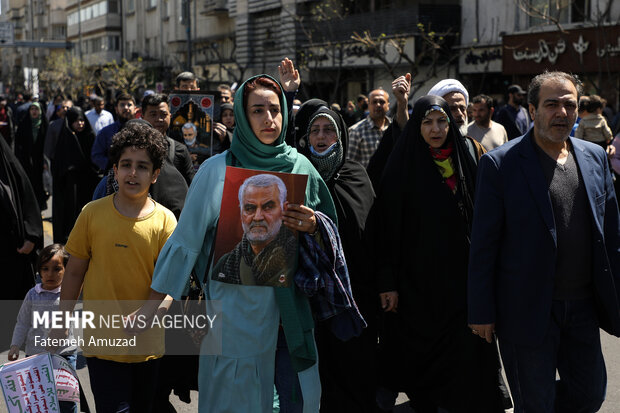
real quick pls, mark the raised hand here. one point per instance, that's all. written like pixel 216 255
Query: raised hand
pixel 401 87
pixel 289 76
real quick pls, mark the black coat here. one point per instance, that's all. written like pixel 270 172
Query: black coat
pixel 9 135
pixel 74 177
pixel 382 154
pixel 421 246
pixel 29 151
pixel 170 189
pixel 181 159
pixel 348 384
pixel 20 220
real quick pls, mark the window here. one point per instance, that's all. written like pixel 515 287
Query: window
pixel 72 19
pixel 59 32
pixel 112 43
pixel 92 12
pixel 131 7
pixel 96 45
pixel 113 6
pixel 102 8
pixel 543 12
pixel 152 3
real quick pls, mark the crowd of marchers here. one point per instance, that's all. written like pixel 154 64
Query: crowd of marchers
pixel 440 240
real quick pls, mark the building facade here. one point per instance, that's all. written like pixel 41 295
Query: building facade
pixel 510 42
pixel 226 41
pixel 42 21
pixel 94 27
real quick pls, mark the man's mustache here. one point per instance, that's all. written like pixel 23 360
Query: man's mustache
pixel 261 224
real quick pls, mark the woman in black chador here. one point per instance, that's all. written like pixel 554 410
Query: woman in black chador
pixel 347 367
pixel 74 176
pixel 421 223
pixel 29 143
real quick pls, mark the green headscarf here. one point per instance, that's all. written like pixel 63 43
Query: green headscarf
pixel 36 123
pixel 246 147
pixel 251 153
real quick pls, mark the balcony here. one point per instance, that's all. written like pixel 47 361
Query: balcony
pixel 17 13
pixel 392 21
pixel 214 7
pixel 99 24
pixel 58 16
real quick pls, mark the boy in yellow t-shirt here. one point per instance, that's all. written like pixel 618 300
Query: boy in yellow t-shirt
pixel 114 246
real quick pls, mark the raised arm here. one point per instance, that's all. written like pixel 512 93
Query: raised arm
pixel 289 76
pixel 400 89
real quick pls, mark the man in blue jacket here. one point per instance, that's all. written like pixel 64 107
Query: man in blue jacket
pixel 513 117
pixel 125 111
pixel 545 256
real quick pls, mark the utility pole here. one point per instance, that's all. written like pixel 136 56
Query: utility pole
pixel 80 29
pixel 187 19
pixel 31 51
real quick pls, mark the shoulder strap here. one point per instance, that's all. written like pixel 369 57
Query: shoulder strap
pixel 476 150
pixel 211 253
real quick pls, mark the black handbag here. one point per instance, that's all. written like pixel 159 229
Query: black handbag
pixel 194 304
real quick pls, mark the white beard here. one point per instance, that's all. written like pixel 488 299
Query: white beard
pixel 270 234
pixel 463 128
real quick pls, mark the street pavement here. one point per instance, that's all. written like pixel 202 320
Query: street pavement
pixel 610 345
pixel 611 350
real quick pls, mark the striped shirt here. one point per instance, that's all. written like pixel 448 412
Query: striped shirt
pixel 364 138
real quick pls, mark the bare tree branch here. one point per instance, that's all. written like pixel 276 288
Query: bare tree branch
pixel 530 10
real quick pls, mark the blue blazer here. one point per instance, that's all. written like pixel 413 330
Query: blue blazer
pixel 514 244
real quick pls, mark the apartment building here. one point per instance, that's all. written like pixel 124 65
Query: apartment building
pixel 95 29
pixel 510 42
pixel 41 21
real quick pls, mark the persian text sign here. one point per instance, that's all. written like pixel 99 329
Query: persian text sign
pixel 28 385
pixel 481 60
pixel 583 50
pixel 67 385
pixel 349 54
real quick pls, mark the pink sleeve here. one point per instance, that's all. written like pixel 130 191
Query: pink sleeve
pixel 615 160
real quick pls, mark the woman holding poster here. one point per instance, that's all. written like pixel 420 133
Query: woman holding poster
pixel 256 319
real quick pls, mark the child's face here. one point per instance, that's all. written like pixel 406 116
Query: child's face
pixel 134 173
pixel 52 272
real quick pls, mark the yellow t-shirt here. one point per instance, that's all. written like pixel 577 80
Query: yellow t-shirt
pixel 122 252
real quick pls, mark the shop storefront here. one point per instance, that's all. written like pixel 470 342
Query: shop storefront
pixel 480 68
pixel 592 53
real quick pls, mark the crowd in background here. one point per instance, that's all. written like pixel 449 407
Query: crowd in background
pixel 397 177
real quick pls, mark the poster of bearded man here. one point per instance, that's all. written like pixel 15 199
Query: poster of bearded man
pixel 252 246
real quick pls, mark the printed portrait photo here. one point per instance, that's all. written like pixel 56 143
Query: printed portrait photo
pixel 196 108
pixel 253 246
